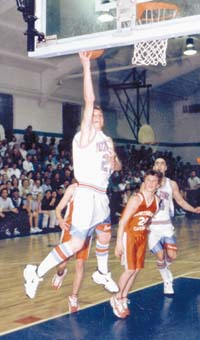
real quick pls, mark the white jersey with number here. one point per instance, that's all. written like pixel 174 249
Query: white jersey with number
pixel 162 219
pixel 92 164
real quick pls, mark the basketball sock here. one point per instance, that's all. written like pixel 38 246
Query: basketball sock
pixel 168 261
pixel 102 252
pixel 56 256
pixel 162 267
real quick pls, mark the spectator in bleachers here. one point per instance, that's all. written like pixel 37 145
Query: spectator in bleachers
pixel 27 164
pixel 22 219
pixel 63 158
pixel 37 188
pixel 29 137
pixel 20 164
pixel 59 169
pixel 193 192
pixel 12 142
pixel 60 193
pixel 22 150
pixel 32 207
pixel 137 178
pixel 4 171
pixel 46 185
pixel 68 175
pixel 4 182
pixel 53 147
pixel 51 160
pixel 38 175
pixel 25 188
pixel 3 148
pixel 66 183
pixel 14 183
pixel 9 187
pixel 48 170
pixel 33 150
pixel 44 148
pixel 14 171
pixel 15 154
pixel 126 194
pixel 56 181
pixel 48 206
pixel 7 221
pixel 30 178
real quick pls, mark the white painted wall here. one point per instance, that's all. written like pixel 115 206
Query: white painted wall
pixel 47 118
pixel 14 80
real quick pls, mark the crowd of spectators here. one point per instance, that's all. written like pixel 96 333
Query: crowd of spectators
pixel 35 172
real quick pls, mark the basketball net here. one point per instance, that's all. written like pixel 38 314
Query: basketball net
pixel 153 52
pixel 150 52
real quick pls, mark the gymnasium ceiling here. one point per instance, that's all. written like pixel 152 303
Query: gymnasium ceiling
pixel 61 76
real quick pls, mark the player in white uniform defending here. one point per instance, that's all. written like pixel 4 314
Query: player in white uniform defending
pixel 162 241
pixel 94 160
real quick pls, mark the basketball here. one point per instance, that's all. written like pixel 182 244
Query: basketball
pixel 95 54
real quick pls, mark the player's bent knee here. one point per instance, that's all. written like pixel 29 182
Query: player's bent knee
pixel 172 257
pixel 171 254
pixel 104 238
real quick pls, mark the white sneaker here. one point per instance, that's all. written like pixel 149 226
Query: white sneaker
pixel 8 233
pixel 168 288
pixel 73 304
pixel 31 280
pixel 106 280
pixel 58 280
pixel 118 308
pixel 38 230
pixel 170 275
pixel 33 231
pixel 16 232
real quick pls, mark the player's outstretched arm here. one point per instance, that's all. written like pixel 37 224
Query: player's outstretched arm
pixel 63 203
pixel 180 200
pixel 89 97
pixel 131 207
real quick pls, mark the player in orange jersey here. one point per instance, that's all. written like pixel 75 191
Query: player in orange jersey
pixel 82 255
pixel 132 238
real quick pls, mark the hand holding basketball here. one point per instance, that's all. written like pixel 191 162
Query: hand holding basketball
pixel 91 54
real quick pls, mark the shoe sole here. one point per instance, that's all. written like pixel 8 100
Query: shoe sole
pixel 122 315
pixel 111 291
pixel 104 284
pixel 60 283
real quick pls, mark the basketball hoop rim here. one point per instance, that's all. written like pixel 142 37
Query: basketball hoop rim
pixel 152 6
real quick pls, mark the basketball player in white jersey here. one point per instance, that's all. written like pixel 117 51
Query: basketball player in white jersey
pixel 162 241
pixel 94 160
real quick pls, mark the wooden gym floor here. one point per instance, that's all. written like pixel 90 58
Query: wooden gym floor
pixel 17 311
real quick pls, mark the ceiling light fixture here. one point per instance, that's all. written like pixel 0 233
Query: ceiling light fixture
pixel 105 17
pixel 190 49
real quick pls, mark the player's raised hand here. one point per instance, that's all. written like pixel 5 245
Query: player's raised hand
pixel 85 56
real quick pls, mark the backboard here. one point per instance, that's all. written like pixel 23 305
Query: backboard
pixel 73 26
